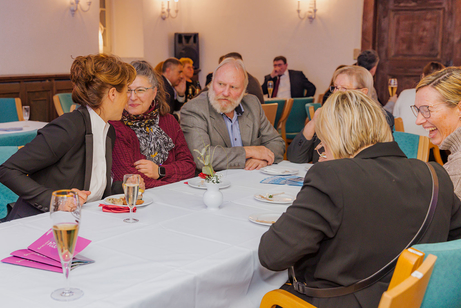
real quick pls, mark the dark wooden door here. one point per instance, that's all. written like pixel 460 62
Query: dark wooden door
pixel 407 34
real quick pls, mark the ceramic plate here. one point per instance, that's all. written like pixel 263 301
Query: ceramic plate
pixel 276 198
pixel 276 170
pixel 147 200
pixel 265 219
pixel 200 183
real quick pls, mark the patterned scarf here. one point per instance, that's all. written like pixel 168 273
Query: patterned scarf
pixel 153 141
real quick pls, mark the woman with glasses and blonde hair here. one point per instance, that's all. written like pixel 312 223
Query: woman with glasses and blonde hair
pixel 74 150
pixel 301 149
pixel 149 140
pixel 438 110
pixel 358 210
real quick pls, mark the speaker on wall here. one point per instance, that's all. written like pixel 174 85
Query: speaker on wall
pixel 186 46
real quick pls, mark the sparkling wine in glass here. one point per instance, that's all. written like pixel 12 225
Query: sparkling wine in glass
pixel 26 112
pixel 65 212
pixel 270 88
pixel 392 86
pixel 131 188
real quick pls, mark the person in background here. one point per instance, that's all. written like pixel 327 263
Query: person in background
pixel 302 148
pixel 287 83
pixel 328 92
pixel 74 150
pixel 254 87
pixel 149 140
pixel 438 110
pixel 192 86
pixel 369 59
pixel 158 67
pixel 407 98
pixel 174 84
pixel 231 122
pixel 351 217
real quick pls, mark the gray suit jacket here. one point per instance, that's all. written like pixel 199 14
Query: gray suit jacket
pixel 203 125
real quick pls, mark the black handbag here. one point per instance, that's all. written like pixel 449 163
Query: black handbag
pixel 370 280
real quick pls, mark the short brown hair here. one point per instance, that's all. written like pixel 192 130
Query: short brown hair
pixel 432 67
pixel 93 75
pixel 170 63
pixel 234 55
pixel 350 121
pixel 280 58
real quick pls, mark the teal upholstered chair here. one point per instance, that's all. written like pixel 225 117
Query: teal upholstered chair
pixel 11 110
pixel 311 108
pixel 17 139
pixel 63 103
pixel 414 146
pixel 297 118
pixel 444 289
pixel 6 195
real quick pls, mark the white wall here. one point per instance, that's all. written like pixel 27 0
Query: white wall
pixel 41 37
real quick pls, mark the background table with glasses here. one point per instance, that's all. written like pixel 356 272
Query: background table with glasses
pixel 179 255
pixel 19 137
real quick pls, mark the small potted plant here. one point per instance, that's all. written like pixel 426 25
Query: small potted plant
pixel 213 197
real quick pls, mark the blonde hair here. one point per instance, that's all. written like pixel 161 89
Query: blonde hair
pixel 447 82
pixel 359 75
pixel 350 121
pixel 184 61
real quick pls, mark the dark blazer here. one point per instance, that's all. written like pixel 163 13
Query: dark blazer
pixel 169 90
pixel 352 216
pixel 60 157
pixel 298 83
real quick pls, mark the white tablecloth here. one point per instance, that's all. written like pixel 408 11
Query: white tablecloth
pixel 179 255
pixel 25 125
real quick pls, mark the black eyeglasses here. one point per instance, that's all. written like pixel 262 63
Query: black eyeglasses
pixel 138 91
pixel 424 110
pixel 321 150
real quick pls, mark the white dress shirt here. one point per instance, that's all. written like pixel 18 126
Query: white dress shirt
pixel 98 179
pixel 284 90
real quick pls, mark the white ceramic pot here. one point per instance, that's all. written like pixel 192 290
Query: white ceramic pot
pixel 212 197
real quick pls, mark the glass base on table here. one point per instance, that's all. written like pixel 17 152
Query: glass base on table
pixel 67 295
pixel 130 220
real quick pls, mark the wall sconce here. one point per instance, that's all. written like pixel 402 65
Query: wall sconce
pixel 74 6
pixel 310 13
pixel 167 13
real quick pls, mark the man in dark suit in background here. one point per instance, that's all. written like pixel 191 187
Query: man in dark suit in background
pixel 287 83
pixel 174 87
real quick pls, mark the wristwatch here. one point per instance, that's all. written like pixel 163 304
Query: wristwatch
pixel 161 172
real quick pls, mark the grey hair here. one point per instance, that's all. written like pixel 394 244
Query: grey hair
pixel 238 65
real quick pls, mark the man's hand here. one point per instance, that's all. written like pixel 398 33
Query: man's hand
pixel 259 152
pixel 274 73
pixel 147 167
pixel 181 87
pixel 253 163
pixel 82 195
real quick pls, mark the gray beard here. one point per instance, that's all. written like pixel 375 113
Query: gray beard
pixel 214 101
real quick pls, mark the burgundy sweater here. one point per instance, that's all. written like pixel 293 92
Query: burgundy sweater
pixel 179 165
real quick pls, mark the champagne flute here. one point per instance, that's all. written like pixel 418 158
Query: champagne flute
pixel 65 212
pixel 131 188
pixel 270 88
pixel 26 113
pixel 392 86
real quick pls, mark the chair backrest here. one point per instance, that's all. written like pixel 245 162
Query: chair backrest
pixel 320 98
pixel 436 151
pixel 6 195
pixel 11 110
pixel 73 107
pixel 410 292
pixel 414 146
pixel 398 124
pixel 444 289
pixel 283 299
pixel 17 139
pixel 280 106
pixel 271 111
pixel 62 102
pixel 297 118
pixel 311 108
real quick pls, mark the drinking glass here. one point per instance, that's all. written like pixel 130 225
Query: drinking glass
pixel 26 112
pixel 392 86
pixel 270 88
pixel 131 188
pixel 65 212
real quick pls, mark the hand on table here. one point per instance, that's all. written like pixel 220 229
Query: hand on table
pixel 147 168
pixel 253 163
pixel 259 152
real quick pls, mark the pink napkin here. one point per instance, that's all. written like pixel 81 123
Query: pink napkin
pixel 116 208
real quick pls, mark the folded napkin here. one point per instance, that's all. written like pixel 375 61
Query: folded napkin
pixel 116 208
pixel 284 180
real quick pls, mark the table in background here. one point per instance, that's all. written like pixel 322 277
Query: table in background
pixel 180 254
pixel 21 137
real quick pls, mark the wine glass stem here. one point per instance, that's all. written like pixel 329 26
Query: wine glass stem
pixel 131 214
pixel 66 269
